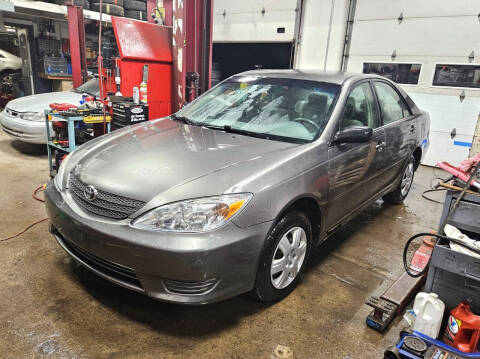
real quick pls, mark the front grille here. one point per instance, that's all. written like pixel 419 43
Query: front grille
pixel 113 270
pixel 106 204
pixel 190 287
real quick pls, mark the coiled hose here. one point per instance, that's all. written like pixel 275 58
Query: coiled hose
pixel 438 236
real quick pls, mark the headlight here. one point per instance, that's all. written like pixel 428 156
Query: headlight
pixel 195 215
pixel 33 116
pixel 58 179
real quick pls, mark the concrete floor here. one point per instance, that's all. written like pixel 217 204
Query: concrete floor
pixel 50 308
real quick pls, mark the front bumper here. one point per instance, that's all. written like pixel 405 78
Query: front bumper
pixel 23 130
pixel 188 268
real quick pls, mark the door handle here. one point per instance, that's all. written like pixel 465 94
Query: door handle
pixel 380 146
pixel 412 128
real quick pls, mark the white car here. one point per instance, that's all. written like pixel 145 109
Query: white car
pixel 24 117
pixel 8 63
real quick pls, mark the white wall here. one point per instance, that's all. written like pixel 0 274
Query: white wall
pixel 244 21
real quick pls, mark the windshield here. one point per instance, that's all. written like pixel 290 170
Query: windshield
pixel 280 109
pixel 90 87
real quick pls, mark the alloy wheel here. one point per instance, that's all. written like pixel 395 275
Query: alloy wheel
pixel 288 257
pixel 407 179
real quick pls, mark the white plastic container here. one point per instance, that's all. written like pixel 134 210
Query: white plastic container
pixel 429 310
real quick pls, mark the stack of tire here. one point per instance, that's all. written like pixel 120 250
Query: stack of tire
pixel 83 3
pixel 111 7
pixel 135 9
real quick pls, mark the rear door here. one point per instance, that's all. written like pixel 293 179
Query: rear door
pixel 355 169
pixel 400 128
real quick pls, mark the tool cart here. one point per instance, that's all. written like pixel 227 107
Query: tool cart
pixel 70 130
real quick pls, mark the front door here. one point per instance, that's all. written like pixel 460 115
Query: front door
pixel 355 168
pixel 400 129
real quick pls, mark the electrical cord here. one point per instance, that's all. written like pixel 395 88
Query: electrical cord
pixel 432 190
pixel 41 188
pixel 26 229
pixel 34 195
pixel 438 236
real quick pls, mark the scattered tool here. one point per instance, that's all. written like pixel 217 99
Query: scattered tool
pixel 415 345
pixel 458 173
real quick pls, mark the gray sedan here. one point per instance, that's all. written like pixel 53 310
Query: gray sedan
pixel 230 194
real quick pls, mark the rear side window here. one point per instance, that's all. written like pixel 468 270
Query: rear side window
pixel 392 105
pixel 400 73
pixel 360 109
pixel 457 75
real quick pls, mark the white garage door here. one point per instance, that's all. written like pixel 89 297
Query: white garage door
pixel 254 20
pixel 439 38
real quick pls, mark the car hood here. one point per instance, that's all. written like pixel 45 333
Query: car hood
pixel 9 60
pixel 40 102
pixel 151 158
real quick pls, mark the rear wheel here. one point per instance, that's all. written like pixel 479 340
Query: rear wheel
pixel 401 192
pixel 284 259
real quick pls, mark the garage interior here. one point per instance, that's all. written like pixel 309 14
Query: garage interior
pixel 370 290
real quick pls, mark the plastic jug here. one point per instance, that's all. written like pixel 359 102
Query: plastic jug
pixel 428 310
pixel 463 329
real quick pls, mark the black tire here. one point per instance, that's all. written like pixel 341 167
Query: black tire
pixel 113 2
pixel 109 9
pixel 134 5
pixel 136 14
pixel 264 290
pixel 10 83
pixel 391 353
pixel 83 3
pixel 398 195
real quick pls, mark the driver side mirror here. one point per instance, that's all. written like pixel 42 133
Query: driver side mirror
pixel 357 134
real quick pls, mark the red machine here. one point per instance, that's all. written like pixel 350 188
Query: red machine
pixel 463 329
pixel 178 55
pixel 141 43
pixel 458 173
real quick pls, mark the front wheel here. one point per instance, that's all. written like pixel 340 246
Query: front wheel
pixel 284 259
pixel 401 191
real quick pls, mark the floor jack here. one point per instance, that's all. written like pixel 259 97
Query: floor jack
pixel 395 298
pixel 393 301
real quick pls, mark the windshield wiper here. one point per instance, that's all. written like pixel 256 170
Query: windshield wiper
pixel 230 129
pixel 184 119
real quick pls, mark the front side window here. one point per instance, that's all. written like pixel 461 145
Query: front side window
pixel 457 76
pixel 279 109
pixel 400 73
pixel 360 109
pixel 391 104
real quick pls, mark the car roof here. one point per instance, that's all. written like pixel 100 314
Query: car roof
pixel 336 77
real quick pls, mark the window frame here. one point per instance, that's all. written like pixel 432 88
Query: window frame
pixel 399 63
pixel 451 87
pixel 378 120
pixel 380 107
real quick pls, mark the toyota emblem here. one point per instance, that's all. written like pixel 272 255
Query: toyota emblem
pixel 90 193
